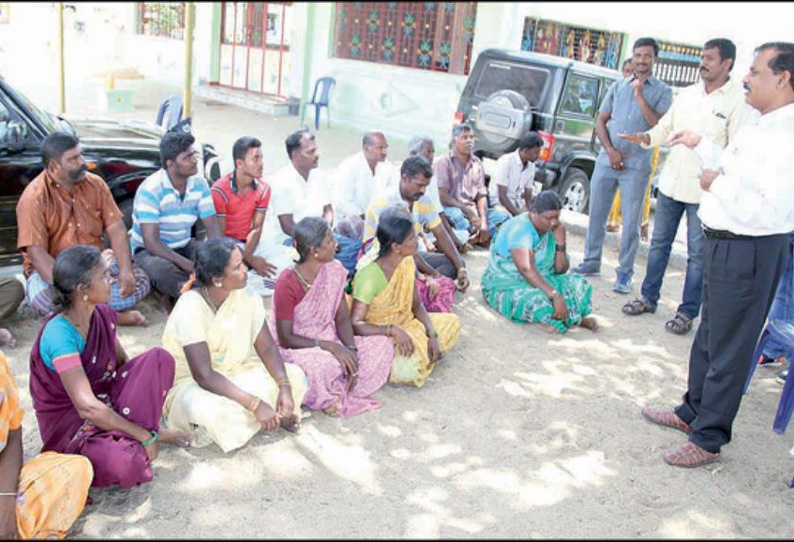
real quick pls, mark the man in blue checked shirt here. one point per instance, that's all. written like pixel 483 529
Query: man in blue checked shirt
pixel 166 206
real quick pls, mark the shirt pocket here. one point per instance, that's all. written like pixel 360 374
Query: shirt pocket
pixel 715 127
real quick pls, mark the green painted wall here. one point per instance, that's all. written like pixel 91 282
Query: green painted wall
pixel 215 58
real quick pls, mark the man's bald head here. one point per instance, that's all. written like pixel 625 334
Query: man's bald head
pixel 375 147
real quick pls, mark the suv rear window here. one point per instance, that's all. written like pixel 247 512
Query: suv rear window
pixel 527 81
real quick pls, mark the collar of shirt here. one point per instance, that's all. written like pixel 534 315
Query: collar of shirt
pixel 233 183
pixel 454 159
pixel 166 180
pixel 58 187
pixel 780 117
pixel 650 80
pixel 516 158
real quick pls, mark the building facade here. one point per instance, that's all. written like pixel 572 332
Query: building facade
pixel 399 66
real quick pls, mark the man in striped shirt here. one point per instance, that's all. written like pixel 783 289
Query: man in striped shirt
pixel 165 208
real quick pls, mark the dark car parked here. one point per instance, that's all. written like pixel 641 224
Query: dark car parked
pixel 509 93
pixel 124 154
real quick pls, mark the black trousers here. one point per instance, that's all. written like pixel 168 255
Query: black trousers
pixel 442 264
pixel 166 276
pixel 739 282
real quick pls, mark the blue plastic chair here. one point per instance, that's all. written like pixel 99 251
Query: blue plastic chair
pixel 784 333
pixel 324 85
pixel 172 106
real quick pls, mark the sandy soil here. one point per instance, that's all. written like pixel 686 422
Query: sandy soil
pixel 518 433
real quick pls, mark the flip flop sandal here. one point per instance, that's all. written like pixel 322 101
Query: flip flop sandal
pixel 637 307
pixel 679 324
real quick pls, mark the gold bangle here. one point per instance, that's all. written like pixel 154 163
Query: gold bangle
pixel 8 494
pixel 284 382
pixel 254 404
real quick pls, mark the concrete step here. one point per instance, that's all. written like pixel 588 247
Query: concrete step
pixel 270 105
pixel 576 223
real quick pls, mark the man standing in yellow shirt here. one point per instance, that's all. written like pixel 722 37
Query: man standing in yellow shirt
pixel 714 107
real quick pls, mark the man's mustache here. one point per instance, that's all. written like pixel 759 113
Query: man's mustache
pixel 76 174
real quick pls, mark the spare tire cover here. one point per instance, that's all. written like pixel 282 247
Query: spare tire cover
pixel 503 118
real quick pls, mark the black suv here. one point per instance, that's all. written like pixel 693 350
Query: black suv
pixel 509 93
pixel 124 154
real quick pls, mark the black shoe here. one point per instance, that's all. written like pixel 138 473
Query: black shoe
pixel 781 377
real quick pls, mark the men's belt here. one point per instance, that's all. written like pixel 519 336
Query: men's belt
pixel 724 234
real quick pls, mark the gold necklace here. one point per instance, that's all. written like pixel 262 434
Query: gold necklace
pixel 80 331
pixel 205 293
pixel 302 280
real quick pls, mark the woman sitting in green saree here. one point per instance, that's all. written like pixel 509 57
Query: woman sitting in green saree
pixel 526 278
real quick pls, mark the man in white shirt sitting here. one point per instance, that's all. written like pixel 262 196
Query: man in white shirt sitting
pixel 510 189
pixel 299 190
pixel 359 179
pixel 716 109
pixel 747 211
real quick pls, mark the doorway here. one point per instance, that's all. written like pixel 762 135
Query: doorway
pixel 255 45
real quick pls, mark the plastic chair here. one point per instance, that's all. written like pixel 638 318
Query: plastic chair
pixel 324 85
pixel 172 106
pixel 784 333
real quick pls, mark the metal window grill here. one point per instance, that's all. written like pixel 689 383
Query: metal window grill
pixel 162 19
pixel 678 64
pixel 600 47
pixel 434 36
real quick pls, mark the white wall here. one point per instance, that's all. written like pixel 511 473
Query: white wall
pixel 98 37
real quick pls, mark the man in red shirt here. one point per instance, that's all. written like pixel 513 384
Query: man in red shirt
pixel 241 199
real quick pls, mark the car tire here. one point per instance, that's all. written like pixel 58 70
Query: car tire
pixel 575 191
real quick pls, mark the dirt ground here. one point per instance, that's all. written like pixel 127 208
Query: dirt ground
pixel 518 433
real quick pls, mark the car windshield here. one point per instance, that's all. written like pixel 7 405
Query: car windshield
pixel 527 81
pixel 48 120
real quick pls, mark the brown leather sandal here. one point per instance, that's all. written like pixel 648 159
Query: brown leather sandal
pixel 679 324
pixel 637 307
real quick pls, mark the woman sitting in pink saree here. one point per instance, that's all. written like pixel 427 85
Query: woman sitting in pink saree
pixel 90 398
pixel 314 331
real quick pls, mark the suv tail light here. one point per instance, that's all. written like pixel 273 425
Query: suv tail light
pixel 460 118
pixel 548 146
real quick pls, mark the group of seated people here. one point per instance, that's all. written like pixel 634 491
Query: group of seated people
pixel 227 369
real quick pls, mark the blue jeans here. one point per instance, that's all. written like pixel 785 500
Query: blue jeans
pixel 347 252
pixel 667 217
pixel 604 184
pixel 494 218
pixel 783 305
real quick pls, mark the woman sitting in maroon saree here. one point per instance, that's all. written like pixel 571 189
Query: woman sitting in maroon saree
pixel 314 331
pixel 90 399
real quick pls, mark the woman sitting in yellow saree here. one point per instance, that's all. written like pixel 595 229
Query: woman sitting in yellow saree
pixel 526 277
pixel 385 302
pixel 44 497
pixel 230 379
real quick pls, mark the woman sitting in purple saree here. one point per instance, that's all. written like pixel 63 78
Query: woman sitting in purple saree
pixel 313 327
pixel 90 398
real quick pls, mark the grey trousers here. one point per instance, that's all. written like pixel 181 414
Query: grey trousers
pixel 12 292
pixel 632 183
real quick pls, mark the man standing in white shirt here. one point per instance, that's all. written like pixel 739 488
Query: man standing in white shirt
pixel 359 179
pixel 298 191
pixel 510 190
pixel 714 108
pixel 747 211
